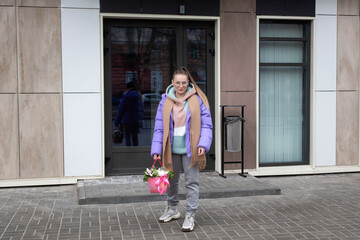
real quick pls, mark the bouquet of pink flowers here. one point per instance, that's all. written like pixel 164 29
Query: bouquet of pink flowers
pixel 157 178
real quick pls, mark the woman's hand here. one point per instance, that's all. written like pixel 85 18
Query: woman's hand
pixel 201 151
pixel 156 156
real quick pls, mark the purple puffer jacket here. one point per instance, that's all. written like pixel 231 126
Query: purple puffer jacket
pixel 205 132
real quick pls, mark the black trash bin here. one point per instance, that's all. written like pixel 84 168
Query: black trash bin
pixel 232 137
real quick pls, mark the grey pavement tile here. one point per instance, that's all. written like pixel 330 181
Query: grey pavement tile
pixel 310 207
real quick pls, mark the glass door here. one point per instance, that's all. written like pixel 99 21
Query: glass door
pixel 140 57
pixel 199 57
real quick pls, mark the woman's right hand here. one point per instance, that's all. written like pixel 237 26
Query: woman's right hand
pixel 156 156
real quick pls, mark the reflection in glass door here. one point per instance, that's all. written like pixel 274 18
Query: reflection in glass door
pixel 140 58
pixel 196 54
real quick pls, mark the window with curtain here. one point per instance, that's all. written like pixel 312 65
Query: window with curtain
pixel 284 81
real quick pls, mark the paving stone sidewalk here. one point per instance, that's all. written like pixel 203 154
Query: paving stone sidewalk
pixel 310 207
pixel 131 189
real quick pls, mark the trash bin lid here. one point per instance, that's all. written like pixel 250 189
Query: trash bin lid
pixel 231 119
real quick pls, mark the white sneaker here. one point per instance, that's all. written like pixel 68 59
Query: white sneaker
pixel 189 222
pixel 169 214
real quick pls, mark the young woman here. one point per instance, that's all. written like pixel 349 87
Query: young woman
pixel 182 136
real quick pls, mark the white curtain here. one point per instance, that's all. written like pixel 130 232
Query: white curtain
pixel 281 52
pixel 282 119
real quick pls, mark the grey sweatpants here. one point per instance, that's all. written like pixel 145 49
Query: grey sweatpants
pixel 191 183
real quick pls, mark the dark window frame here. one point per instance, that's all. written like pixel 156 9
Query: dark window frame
pixel 306 64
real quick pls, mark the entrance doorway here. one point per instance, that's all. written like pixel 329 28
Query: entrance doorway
pixel 144 54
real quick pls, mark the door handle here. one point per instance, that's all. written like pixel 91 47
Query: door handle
pixel 212 52
pixel 212 36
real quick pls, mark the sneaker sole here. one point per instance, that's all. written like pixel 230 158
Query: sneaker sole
pixel 187 229
pixel 176 216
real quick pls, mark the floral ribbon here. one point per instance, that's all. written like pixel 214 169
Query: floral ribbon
pixel 162 183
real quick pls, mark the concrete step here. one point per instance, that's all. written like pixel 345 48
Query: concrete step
pixel 130 189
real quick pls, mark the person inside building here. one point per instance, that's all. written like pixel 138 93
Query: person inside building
pixel 129 114
pixel 182 137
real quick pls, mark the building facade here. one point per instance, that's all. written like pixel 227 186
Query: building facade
pixel 65 64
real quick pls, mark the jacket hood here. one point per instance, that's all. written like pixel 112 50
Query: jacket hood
pixel 170 93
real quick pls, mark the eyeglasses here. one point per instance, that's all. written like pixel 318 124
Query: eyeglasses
pixel 185 83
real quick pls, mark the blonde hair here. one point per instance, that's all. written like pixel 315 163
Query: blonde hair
pixel 184 71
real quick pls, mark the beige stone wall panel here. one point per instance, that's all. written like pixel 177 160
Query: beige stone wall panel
pixel 38 3
pixel 238 6
pixel 8 70
pixel 248 99
pixel 41 136
pixel 7 2
pixel 348 7
pixel 347 128
pixel 9 146
pixel 39 50
pixel 348 53
pixel 238 51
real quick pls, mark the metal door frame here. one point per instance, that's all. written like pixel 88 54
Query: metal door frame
pixel 216 75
